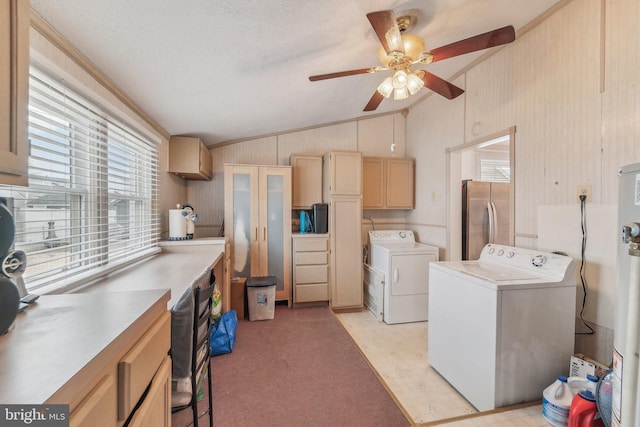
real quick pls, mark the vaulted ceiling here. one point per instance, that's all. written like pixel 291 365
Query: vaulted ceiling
pixel 225 70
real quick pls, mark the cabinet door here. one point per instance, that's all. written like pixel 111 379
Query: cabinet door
pixel 189 158
pixel 155 410
pixel 400 187
pixel 306 174
pixel 241 218
pixel 345 173
pixel 99 407
pixel 275 228
pixel 373 183
pixel 346 252
pixel 14 86
pixel 205 161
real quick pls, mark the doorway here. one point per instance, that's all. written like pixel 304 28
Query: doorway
pixel 466 162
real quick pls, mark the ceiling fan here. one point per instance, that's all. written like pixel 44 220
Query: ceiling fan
pixel 400 51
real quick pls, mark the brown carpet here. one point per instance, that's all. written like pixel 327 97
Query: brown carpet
pixel 299 369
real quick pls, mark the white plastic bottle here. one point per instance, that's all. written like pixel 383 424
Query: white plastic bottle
pixel 576 384
pixel 556 402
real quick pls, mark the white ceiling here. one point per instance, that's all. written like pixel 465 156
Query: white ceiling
pixel 233 69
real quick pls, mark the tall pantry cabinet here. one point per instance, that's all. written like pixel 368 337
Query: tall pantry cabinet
pixel 257 217
pixel 343 192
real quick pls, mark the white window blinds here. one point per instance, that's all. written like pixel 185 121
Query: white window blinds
pixel 492 166
pixel 91 200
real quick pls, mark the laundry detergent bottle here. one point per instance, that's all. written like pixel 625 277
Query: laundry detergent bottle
pixel 584 411
pixel 556 402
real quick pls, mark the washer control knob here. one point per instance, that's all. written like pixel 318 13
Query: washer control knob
pixel 510 254
pixel 491 250
pixel 538 260
pixel 402 234
pixel 500 252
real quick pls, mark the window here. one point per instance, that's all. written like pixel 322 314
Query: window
pixel 494 170
pixel 91 201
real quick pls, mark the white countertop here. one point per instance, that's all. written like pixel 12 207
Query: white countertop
pixel 58 334
pixel 55 338
pixel 174 268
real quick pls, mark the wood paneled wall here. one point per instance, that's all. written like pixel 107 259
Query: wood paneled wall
pixel 571 87
pixel 372 136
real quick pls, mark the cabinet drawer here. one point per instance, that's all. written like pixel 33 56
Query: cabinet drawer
pixel 98 407
pixel 311 244
pixel 303 258
pixel 309 293
pixel 139 365
pixel 312 274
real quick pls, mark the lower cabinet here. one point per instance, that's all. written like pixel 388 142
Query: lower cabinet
pixel 310 268
pixel 134 388
pixel 155 411
pixel 98 407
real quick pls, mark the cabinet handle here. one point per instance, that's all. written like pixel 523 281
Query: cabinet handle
pixel 264 233
pixel 255 234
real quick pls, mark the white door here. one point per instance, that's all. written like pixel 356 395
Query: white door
pixel 410 273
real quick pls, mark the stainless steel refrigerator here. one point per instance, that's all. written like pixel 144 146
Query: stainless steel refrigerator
pixel 485 216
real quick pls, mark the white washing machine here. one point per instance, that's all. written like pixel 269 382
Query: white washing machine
pixel 501 328
pixel 405 264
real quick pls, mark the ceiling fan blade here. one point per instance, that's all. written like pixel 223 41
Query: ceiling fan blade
pixel 386 28
pixel 341 74
pixel 441 86
pixel 373 103
pixel 481 41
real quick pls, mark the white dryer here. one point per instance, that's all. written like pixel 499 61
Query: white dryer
pixel 405 264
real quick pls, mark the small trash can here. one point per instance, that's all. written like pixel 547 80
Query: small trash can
pixel 261 295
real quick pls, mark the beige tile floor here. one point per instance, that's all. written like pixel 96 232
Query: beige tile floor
pixel 398 353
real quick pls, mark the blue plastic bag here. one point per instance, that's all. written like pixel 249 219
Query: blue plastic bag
pixel 223 333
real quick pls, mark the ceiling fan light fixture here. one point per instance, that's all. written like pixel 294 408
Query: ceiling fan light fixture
pixel 393 38
pixel 386 87
pixel 400 93
pixel 415 83
pixel 413 47
pixel 400 79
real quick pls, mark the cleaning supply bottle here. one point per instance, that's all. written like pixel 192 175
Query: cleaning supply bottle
pixel 584 411
pixel 556 402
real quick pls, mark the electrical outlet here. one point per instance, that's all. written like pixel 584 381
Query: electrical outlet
pixel 584 190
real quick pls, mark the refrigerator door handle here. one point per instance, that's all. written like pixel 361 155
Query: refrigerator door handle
pixel 491 225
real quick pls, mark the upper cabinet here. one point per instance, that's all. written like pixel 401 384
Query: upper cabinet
pixel 388 183
pixel 344 169
pixel 14 86
pixel 189 158
pixel 307 181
